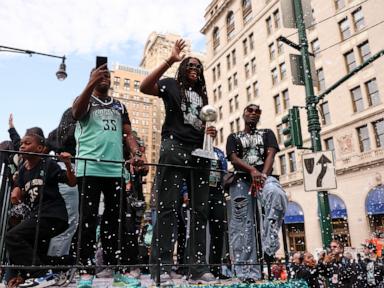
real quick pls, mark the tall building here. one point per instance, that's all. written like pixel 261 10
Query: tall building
pixel 145 112
pixel 247 64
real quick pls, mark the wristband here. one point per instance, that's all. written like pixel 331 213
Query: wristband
pixel 166 62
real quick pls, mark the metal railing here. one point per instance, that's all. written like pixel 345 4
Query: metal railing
pixel 5 188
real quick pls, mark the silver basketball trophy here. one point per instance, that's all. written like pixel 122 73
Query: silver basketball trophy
pixel 208 114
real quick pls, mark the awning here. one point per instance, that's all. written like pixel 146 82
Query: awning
pixel 294 213
pixel 337 207
pixel 374 203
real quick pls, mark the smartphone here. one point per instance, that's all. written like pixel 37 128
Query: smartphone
pixel 100 60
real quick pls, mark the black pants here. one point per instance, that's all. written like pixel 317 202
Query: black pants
pixel 168 183
pixel 20 241
pixel 217 229
pixel 109 227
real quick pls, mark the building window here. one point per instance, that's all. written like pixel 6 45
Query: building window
pixel 229 83
pixel 127 84
pixel 247 10
pixel 268 23
pixel 251 42
pixel 235 82
pixel 218 71
pixel 378 128
pixel 272 51
pixel 274 75
pixel 364 143
pixel 248 93
pixel 358 19
pixel 232 126
pixel 329 144
pixel 246 69
pixel 136 86
pixel 277 102
pixel 216 38
pixel 214 95
pixel 357 99
pixel 230 105
pixel 345 30
pixel 214 74
pixel 286 99
pixel 253 65
pixel 315 44
pixel 245 46
pixel 280 135
pixel 219 92
pixel 283 164
pixel 220 112
pixel 221 134
pixel 321 79
pixel 228 62
pixel 276 19
pixel 230 25
pixel 339 4
pixel 296 236
pixel 237 124
pixel 283 71
pixel 280 47
pixel 255 87
pixel 350 60
pixel 364 51
pixel 237 102
pixel 233 57
pixel 326 115
pixel 292 161
pixel 372 92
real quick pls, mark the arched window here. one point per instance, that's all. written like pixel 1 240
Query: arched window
pixel 294 225
pixel 230 24
pixel 247 10
pixel 374 206
pixel 216 37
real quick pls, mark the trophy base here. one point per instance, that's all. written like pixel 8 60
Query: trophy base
pixel 204 154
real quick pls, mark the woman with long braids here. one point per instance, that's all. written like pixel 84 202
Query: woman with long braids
pixel 182 132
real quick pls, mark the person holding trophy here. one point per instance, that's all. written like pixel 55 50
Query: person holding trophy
pixel 183 134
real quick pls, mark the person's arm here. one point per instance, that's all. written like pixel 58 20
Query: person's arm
pixel 149 84
pixel 268 163
pixel 13 135
pixel 80 105
pixel 71 177
pixel 137 158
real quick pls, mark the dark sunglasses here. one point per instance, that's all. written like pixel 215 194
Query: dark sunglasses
pixel 251 110
pixel 194 66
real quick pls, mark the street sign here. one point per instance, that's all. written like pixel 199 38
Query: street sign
pixel 319 171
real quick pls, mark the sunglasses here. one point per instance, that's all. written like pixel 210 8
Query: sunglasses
pixel 194 66
pixel 251 110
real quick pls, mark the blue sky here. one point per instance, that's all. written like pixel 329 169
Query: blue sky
pixel 80 30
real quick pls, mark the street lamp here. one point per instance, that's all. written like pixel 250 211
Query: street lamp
pixel 61 74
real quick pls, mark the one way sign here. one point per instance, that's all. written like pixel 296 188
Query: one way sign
pixel 319 171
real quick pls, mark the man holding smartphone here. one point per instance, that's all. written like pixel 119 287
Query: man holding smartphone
pixel 102 128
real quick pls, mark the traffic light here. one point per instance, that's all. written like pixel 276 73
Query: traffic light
pixel 293 128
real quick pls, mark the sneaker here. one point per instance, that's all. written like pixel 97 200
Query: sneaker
pixel 125 280
pixel 135 273
pixel 106 273
pixel 85 281
pixel 206 278
pixel 44 281
pixel 175 275
pixel 70 275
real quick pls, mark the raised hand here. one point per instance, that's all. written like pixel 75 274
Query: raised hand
pixel 176 54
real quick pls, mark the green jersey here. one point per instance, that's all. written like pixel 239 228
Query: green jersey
pixel 99 136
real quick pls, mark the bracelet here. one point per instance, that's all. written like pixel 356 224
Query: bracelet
pixel 166 62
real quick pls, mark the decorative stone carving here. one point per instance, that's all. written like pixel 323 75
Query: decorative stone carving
pixel 345 144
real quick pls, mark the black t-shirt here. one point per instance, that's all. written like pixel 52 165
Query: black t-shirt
pixel 182 120
pixel 252 148
pixel 44 178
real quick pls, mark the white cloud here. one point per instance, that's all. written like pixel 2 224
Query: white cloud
pixel 85 26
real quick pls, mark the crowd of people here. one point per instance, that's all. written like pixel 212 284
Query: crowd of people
pixel 93 157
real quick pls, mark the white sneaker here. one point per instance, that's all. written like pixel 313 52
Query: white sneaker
pixel 106 273
pixel 175 276
pixel 204 279
pixel 135 273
